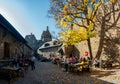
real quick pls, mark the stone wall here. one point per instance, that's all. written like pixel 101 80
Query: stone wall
pixel 16 47
pixel 107 41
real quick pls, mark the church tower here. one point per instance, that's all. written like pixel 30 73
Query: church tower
pixel 46 35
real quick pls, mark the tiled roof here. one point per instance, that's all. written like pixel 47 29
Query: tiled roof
pixel 11 29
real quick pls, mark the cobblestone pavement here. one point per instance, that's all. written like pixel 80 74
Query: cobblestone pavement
pixel 48 73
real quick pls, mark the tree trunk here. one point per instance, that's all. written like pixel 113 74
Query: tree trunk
pixel 90 49
pixel 69 50
pixel 102 35
pixel 100 46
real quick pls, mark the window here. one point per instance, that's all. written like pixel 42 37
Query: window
pixel 47 44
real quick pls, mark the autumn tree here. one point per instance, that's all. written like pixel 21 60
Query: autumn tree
pixel 76 13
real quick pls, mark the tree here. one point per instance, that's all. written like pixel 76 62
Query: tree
pixel 79 13
pixel 108 20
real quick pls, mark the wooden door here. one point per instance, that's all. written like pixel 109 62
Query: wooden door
pixel 6 50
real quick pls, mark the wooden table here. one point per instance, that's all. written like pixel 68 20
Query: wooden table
pixel 77 67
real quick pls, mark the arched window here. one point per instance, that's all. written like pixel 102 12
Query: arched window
pixel 47 44
pixel 55 43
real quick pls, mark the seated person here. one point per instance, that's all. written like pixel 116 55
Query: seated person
pixel 84 61
pixel 72 60
pixel 96 63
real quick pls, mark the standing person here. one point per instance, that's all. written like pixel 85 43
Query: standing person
pixel 89 61
pixel 32 63
pixel 15 62
pixel 100 63
pixel 96 63
pixel 66 62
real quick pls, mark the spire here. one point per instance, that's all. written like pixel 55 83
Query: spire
pixel 47 28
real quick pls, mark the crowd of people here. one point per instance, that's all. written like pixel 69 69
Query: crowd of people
pixel 74 60
pixel 24 62
pixel 70 60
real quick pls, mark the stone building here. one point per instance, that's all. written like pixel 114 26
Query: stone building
pixel 12 44
pixel 46 36
pixel 34 43
pixel 50 47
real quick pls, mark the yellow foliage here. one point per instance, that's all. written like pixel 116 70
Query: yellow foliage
pixel 85 1
pixel 89 10
pixel 103 1
pixel 69 0
pixel 68 18
pixel 94 19
pixel 112 1
pixel 70 5
pixel 90 26
pixel 92 1
pixel 65 20
pixel 65 7
pixel 82 33
pixel 68 11
pixel 87 16
pixel 74 3
pixel 97 5
pixel 63 23
pixel 72 37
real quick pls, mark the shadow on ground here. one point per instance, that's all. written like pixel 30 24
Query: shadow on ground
pixel 48 73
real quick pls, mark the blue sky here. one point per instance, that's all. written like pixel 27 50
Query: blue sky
pixel 28 16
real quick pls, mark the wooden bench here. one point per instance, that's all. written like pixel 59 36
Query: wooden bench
pixel 72 67
pixel 9 74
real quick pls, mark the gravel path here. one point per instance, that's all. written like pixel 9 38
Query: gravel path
pixel 48 73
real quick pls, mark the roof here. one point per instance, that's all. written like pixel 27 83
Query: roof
pixel 28 46
pixel 11 29
pixel 51 44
